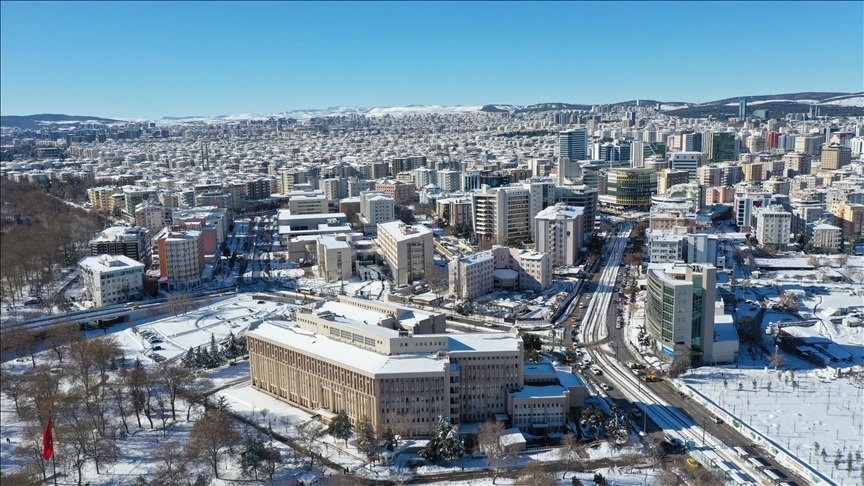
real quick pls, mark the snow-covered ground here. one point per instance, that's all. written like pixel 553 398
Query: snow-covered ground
pixel 806 404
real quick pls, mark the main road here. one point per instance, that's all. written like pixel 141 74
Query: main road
pixel 659 401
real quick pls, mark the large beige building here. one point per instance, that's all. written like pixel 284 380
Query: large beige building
pixel 773 226
pixel 334 257
pixel 558 231
pixel 835 157
pixel 407 248
pixel 394 365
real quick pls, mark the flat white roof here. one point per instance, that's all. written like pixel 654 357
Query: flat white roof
pixel 392 228
pixel 540 391
pixel 347 355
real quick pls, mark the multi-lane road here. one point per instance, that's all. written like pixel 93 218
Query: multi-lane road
pixel 660 403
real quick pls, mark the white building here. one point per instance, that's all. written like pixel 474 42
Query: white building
pixel 307 202
pixel 502 214
pixel 688 161
pixel 773 226
pixel 376 207
pixel 825 236
pixel 111 279
pixel 471 277
pixel 558 231
pixel 408 249
pixel 500 268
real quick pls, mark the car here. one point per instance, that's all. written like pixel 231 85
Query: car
pixel 157 348
pixel 636 412
pixel 692 463
pixel 605 386
pixel 675 442
pixel 716 419
pixel 260 302
pixel 155 341
pixel 596 371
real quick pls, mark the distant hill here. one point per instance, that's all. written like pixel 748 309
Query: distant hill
pixel 36 121
pixel 778 106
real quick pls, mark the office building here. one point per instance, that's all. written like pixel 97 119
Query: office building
pixel 307 202
pixel 395 366
pixel 742 109
pixel 573 144
pixel 407 249
pixel 376 207
pixel 335 262
pixel 723 147
pixel 629 188
pixel 669 177
pixel 401 192
pixel 679 308
pixel 111 279
pixel 130 241
pixel 500 268
pixel 502 214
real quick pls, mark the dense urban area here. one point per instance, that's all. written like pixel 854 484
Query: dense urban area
pixel 641 293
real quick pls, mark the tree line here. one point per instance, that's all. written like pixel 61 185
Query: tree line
pixel 39 234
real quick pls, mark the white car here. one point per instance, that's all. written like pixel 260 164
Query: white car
pixel 596 371
pixel 605 386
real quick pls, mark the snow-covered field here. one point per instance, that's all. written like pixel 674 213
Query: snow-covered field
pixel 799 404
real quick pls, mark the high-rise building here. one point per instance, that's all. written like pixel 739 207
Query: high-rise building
pixel 755 144
pixel 724 147
pixel 408 250
pixel 629 188
pixel 772 140
pixel 679 308
pixel 573 144
pixel 685 161
pixel 181 258
pixel 502 214
pixel 376 207
pixel 835 157
pixel 742 109
pixel 558 231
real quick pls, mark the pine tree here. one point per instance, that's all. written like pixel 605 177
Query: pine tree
pixel 251 455
pixel 231 350
pixel 367 443
pixel 340 427
pixel 215 355
pixel 203 359
pixel 189 358
pixel 444 442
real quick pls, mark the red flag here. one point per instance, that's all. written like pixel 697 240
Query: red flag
pixel 48 442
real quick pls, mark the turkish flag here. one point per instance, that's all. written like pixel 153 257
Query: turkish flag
pixel 48 442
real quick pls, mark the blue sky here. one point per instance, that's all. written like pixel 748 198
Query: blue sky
pixel 149 60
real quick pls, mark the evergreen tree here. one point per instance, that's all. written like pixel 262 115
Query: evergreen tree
pixel 215 355
pixel 231 350
pixel 203 358
pixel 367 443
pixel 444 442
pixel 340 427
pixel 251 455
pixel 189 358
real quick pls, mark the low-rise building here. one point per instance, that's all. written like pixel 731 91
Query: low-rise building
pixel 111 279
pixel 825 236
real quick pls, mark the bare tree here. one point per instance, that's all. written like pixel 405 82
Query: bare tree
pixel 173 377
pixel 172 466
pixel 568 451
pixel 535 475
pixel 681 362
pixel 489 443
pixel 212 437
pixel 179 302
pixel 435 278
pixel 60 335
pixel 789 300
pixel 776 359
pixel 309 435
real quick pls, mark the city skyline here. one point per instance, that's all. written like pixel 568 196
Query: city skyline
pixel 211 59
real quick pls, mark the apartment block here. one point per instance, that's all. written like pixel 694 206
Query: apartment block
pixel 181 258
pixel 558 231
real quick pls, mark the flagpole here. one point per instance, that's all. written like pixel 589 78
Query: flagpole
pixel 54 466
